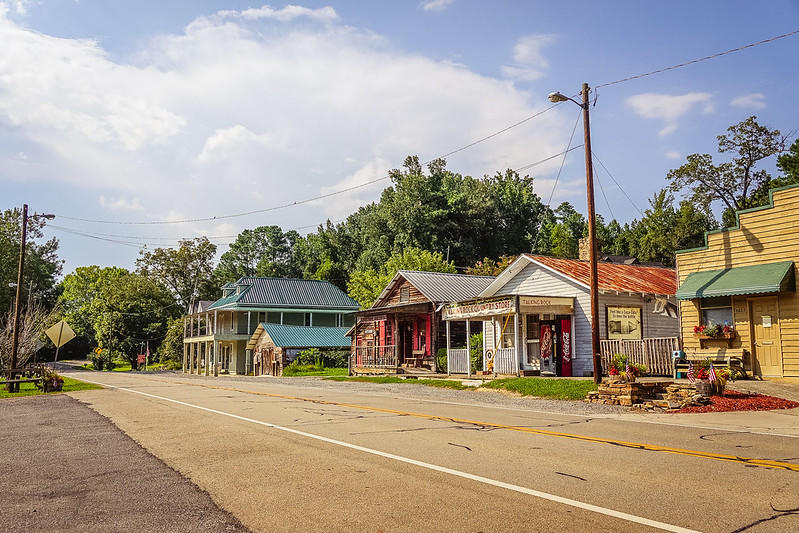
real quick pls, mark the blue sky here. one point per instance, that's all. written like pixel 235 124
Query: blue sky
pixel 152 111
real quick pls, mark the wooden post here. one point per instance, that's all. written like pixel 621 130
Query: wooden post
pixel 516 341
pixel 468 347
pixel 207 358
pixel 215 324
pixel 448 343
pixel 185 356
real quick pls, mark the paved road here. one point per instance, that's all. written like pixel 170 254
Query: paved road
pixel 63 467
pixel 285 456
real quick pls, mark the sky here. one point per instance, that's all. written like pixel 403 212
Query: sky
pixel 152 112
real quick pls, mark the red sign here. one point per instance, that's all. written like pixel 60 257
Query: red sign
pixel 141 358
pixel 566 347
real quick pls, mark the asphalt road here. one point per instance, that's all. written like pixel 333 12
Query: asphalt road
pixel 63 467
pixel 286 456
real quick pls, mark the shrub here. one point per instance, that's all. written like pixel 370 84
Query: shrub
pixel 323 358
pixel 618 365
pixel 441 360
pixel 476 343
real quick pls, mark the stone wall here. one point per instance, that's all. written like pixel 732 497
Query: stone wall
pixel 651 395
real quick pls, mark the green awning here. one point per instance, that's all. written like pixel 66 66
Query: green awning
pixel 755 279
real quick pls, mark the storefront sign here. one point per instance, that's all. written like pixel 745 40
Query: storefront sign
pixel 485 308
pixel 624 323
pixel 545 301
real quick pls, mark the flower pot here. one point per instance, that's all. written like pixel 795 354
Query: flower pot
pixel 53 385
pixel 704 388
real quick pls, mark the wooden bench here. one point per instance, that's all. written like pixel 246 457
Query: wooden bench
pixel 416 359
pixel 728 361
pixel 33 375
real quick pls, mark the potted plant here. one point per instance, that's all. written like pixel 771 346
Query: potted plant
pixel 714 332
pixel 51 381
pixel 710 381
pixel 620 369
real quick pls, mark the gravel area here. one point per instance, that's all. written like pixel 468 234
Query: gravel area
pixel 63 467
pixel 483 397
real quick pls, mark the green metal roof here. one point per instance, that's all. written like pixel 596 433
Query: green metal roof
pixel 289 293
pixel 305 336
pixel 755 279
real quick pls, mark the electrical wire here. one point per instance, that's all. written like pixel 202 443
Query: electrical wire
pixel 315 198
pixel 593 154
pixel 698 60
pixel 602 190
pixel 557 178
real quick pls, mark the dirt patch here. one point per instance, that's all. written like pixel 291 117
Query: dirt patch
pixel 738 401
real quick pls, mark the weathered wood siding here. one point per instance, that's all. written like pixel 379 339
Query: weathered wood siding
pixel 765 236
pixel 393 297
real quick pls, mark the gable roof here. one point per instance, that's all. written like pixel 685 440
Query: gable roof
pixel 611 276
pixel 439 287
pixel 285 292
pixel 301 336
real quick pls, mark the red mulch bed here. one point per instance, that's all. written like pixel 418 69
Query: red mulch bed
pixel 739 401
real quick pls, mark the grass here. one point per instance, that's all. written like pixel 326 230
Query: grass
pixel 560 389
pixel 312 370
pixel 29 389
pixel 440 383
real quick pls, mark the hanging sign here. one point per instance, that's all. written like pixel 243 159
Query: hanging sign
pixel 476 309
pixel 545 301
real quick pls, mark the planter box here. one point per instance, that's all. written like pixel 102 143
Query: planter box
pixel 723 337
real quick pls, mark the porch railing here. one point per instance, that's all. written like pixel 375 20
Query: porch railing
pixel 505 361
pixel 654 353
pixel 458 360
pixel 375 356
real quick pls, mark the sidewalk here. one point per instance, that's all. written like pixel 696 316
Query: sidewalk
pixel 66 468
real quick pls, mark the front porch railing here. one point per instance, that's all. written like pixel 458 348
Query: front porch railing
pixel 458 360
pixel 375 357
pixel 654 353
pixel 505 361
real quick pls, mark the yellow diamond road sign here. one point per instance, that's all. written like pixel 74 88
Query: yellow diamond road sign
pixel 60 334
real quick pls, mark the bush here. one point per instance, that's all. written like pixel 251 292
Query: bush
pixel 441 360
pixel 476 343
pixel 618 365
pixel 323 359
pixel 102 360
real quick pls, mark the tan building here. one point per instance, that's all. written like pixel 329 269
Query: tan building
pixel 743 280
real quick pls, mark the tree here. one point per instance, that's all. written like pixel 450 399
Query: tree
pixel 78 300
pixel 734 182
pixel 33 321
pixel 565 231
pixel 42 265
pixel 132 309
pixel 170 351
pixel 263 251
pixel 186 270
pixel 366 285
pixel 490 267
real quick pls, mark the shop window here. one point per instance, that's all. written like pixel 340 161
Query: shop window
pixel 716 311
pixel 405 294
pixel 533 327
pixel 508 335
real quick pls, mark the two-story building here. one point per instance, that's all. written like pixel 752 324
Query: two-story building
pixel 217 333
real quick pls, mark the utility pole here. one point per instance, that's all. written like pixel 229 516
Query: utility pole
pixel 589 179
pixel 14 387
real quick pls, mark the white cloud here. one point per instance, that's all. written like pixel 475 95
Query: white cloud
pixel 749 101
pixel 231 116
pixel 286 14
pixel 668 108
pixel 130 204
pixel 18 7
pixel 673 154
pixel 437 5
pixel 530 64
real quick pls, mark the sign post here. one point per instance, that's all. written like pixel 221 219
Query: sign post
pixel 60 334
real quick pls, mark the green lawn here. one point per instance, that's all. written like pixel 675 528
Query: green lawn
pixel 561 389
pixel 29 389
pixel 312 370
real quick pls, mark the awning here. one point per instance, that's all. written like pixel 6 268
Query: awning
pixel 755 279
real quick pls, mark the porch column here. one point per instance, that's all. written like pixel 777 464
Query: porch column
pixel 207 358
pixel 215 324
pixel 218 354
pixel 247 362
pixel 185 355
pixel 207 324
pixel 468 347
pixel 448 347
pixel 516 342
pixel 249 332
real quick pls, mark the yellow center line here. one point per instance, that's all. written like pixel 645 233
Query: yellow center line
pixel 585 438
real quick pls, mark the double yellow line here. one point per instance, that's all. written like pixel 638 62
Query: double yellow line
pixel 599 440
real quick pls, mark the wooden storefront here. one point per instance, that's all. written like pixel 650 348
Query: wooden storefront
pixel 745 276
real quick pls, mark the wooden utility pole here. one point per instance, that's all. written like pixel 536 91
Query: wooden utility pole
pixel 13 387
pixel 589 178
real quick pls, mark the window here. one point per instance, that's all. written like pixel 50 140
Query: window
pixel 273 317
pixel 716 311
pixel 389 336
pixel 294 319
pixel 405 294
pixel 533 332
pixel 324 319
pixel 348 320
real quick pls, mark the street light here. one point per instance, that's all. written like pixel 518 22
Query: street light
pixel 589 178
pixel 13 387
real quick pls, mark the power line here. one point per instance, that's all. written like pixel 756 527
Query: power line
pixel 315 198
pixel 593 154
pixel 557 178
pixel 699 60
pixel 602 189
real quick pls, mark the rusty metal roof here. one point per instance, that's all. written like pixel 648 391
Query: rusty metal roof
pixel 439 287
pixel 614 276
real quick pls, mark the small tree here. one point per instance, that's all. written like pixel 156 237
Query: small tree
pixel 33 322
